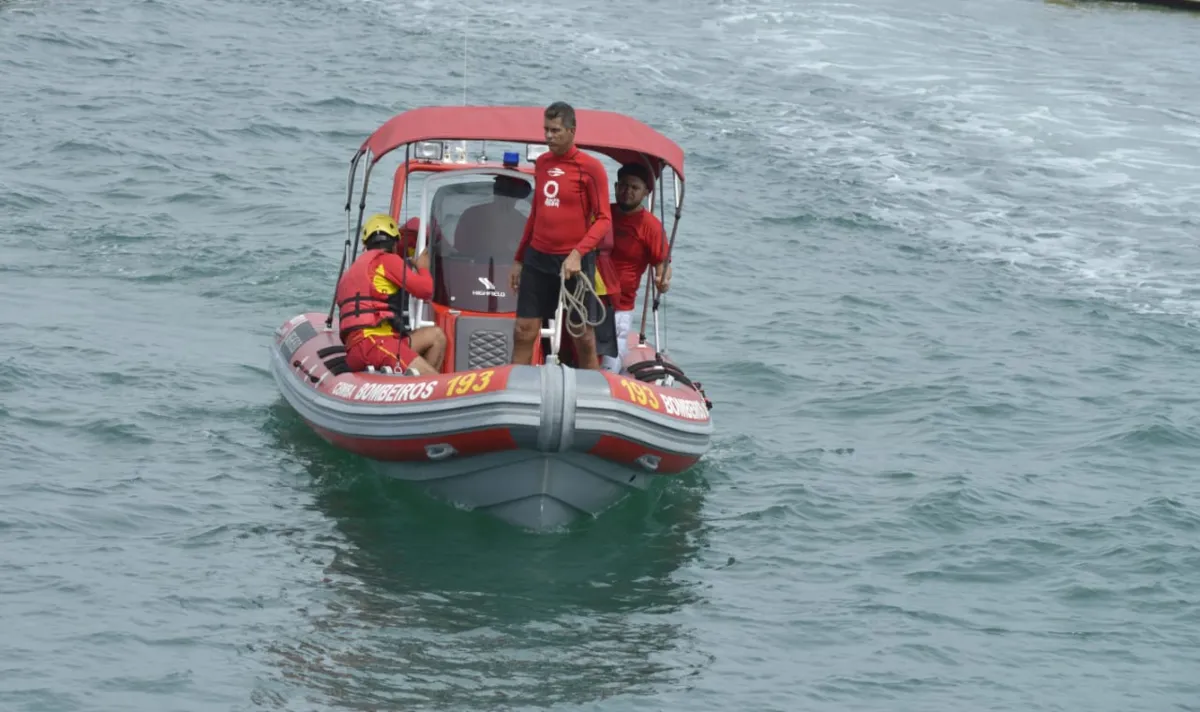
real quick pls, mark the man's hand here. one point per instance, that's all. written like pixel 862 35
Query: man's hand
pixel 514 278
pixel 662 277
pixel 423 260
pixel 572 264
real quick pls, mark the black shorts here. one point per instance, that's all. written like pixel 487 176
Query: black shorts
pixel 541 280
pixel 606 333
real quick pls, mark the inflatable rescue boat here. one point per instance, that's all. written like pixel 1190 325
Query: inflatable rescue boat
pixel 537 446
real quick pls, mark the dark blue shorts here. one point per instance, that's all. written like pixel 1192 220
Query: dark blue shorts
pixel 537 297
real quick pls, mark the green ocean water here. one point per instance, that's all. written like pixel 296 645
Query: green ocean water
pixel 937 270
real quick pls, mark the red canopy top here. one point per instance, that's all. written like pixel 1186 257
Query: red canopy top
pixel 614 135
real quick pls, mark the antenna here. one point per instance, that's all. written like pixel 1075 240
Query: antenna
pixel 464 53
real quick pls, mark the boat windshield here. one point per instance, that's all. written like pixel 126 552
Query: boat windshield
pixel 475 227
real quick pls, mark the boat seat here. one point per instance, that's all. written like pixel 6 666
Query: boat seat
pixel 482 341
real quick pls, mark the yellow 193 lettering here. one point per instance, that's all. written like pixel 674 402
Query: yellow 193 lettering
pixel 469 382
pixel 641 394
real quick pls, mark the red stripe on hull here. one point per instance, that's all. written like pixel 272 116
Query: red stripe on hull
pixel 623 451
pixel 482 442
pixel 413 449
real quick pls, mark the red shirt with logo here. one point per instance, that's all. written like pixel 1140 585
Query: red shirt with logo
pixel 638 242
pixel 570 208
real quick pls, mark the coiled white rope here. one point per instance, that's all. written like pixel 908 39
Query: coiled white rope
pixel 573 305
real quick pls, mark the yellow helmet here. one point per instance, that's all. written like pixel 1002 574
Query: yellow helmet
pixel 380 223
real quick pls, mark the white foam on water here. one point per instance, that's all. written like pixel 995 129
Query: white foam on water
pixel 973 158
pixel 963 142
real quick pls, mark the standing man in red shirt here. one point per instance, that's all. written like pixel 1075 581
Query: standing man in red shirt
pixel 569 217
pixel 639 241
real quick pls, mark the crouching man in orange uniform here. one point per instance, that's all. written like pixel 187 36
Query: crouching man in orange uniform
pixel 372 300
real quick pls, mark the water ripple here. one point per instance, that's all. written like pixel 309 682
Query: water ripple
pixel 945 306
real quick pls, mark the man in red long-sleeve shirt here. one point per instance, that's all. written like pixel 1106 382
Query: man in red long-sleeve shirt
pixel 638 242
pixel 569 218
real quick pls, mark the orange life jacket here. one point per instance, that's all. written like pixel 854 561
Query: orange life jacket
pixel 362 306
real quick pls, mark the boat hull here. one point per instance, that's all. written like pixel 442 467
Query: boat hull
pixel 536 446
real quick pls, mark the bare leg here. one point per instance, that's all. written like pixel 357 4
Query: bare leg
pixel 585 349
pixel 423 367
pixel 430 343
pixel 525 333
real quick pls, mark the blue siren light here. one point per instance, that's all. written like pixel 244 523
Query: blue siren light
pixel 511 158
